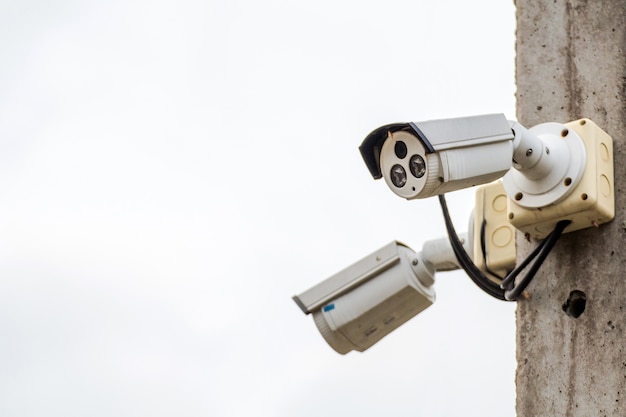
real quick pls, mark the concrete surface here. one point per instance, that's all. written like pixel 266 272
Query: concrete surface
pixel 571 63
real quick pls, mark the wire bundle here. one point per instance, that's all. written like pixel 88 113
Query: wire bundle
pixel 507 290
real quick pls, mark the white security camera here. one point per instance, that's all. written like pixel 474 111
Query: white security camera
pixel 361 304
pixel 419 160
pixel 552 172
pixel 366 301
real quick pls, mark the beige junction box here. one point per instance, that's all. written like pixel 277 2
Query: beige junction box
pixel 590 203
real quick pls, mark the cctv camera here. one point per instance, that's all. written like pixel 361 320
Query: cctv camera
pixel 419 160
pixel 363 303
pixel 366 301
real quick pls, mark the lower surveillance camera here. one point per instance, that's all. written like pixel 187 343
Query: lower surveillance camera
pixel 363 303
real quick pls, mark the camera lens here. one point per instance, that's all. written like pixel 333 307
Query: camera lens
pixel 398 176
pixel 400 149
pixel 417 166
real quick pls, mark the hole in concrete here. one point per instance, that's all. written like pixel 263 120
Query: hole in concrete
pixel 575 304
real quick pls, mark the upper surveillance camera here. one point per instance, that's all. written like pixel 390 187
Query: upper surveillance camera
pixel 552 171
pixel 419 160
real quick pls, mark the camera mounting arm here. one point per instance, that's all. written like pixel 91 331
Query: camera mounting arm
pixel 548 160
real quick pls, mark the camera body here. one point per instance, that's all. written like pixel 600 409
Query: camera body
pixel 419 160
pixel 366 301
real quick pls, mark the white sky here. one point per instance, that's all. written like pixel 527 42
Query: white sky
pixel 171 173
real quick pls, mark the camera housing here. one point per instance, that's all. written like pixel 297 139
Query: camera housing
pixel 366 301
pixel 419 160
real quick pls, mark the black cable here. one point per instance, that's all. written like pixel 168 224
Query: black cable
pixel 507 282
pixel 505 291
pixel 546 247
pixel 465 261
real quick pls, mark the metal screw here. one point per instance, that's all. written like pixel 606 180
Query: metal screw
pixel 547 150
pixel 414 262
pixel 529 152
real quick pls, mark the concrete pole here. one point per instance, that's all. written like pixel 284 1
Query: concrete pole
pixel 571 63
